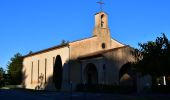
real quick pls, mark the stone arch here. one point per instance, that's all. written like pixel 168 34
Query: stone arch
pixel 126 75
pixel 57 72
pixel 91 74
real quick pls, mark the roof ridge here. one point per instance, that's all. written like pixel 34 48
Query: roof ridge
pixel 82 39
pixel 45 50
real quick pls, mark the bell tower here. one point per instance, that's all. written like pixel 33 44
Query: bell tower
pixel 101 24
pixel 101 20
pixel 101 29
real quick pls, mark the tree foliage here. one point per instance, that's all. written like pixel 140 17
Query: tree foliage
pixel 153 57
pixel 63 42
pixel 2 76
pixel 57 73
pixel 1 72
pixel 15 69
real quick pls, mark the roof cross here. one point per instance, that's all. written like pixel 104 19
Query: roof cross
pixel 101 5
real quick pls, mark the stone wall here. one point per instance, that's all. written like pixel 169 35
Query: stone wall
pixel 115 60
pixel 83 47
pixel 116 44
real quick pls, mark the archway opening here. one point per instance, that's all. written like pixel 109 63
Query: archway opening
pixel 126 75
pixel 91 74
pixel 102 20
pixel 57 72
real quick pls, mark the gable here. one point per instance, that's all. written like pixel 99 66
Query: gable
pixel 116 44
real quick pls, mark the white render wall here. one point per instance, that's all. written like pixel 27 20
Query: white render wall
pixel 49 56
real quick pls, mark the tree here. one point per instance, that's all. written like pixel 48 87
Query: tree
pixel 63 42
pixel 57 73
pixel 30 52
pixel 15 69
pixel 2 74
pixel 153 57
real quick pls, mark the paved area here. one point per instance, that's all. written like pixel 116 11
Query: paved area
pixel 30 95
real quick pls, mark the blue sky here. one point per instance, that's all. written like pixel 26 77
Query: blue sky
pixel 38 24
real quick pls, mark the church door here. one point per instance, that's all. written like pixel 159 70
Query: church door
pixel 91 74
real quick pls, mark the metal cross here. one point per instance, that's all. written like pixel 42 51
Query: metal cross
pixel 100 3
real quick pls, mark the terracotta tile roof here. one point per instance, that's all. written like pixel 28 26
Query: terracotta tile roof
pixel 58 46
pixel 99 53
pixel 95 54
pixel 46 50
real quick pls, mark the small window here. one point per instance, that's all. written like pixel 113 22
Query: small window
pixel 103 45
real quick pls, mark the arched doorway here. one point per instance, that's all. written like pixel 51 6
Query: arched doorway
pixel 126 75
pixel 91 74
pixel 57 72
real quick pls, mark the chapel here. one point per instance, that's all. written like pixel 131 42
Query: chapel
pixel 98 59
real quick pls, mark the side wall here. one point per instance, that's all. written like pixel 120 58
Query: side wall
pixel 42 65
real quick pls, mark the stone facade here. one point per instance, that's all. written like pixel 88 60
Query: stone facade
pixel 99 54
pixel 41 64
pixel 112 60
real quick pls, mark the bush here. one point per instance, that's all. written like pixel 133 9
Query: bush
pixel 2 83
